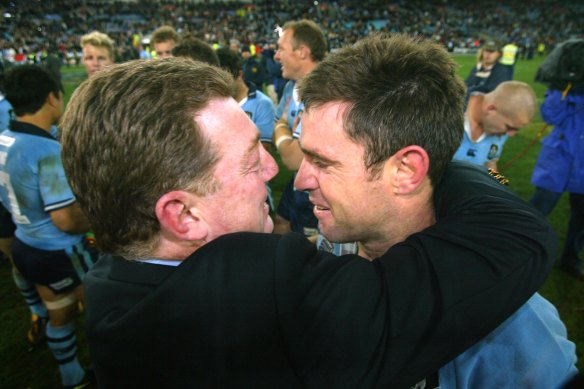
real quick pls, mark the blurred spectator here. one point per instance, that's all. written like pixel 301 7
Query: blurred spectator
pixel 509 57
pixel 98 51
pixel 488 72
pixel 253 69
pixel 195 49
pixel 163 40
pixel 560 168
pixel 275 81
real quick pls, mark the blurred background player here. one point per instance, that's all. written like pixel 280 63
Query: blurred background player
pixel 196 49
pixel 39 315
pixel 98 51
pixel 49 246
pixel 163 41
pixel 301 46
pixel 493 117
pixel 253 68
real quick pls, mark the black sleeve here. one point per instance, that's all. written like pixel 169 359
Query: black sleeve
pixel 396 320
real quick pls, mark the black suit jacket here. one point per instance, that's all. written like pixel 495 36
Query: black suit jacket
pixel 256 310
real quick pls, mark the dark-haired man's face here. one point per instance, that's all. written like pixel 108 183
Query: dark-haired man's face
pixel 164 49
pixel 349 203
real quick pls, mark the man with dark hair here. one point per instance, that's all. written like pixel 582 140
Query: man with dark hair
pixel 301 46
pixel 49 246
pixel 185 297
pixel 393 121
pixel 196 49
pixel 163 41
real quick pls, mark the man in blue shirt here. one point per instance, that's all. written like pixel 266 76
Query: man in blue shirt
pixel 301 46
pixel 49 246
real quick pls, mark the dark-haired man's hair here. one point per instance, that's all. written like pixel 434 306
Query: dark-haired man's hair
pixel 230 61
pixel 196 49
pixel 27 88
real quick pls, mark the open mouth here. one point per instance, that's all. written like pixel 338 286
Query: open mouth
pixel 321 212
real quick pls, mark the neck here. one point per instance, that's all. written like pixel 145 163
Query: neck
pixel 41 121
pixel 172 249
pixel 416 216
pixel 474 115
pixel 306 69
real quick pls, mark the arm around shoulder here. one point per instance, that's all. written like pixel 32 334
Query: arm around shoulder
pixel 456 281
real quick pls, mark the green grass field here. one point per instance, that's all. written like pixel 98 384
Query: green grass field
pixel 37 370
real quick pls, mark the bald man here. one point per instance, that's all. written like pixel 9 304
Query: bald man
pixel 493 117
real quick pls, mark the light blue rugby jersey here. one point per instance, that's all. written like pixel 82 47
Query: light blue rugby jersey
pixel 33 183
pixel 486 149
pixel 5 114
pixel 295 108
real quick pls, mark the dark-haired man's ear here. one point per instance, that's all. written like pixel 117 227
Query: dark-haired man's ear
pixel 410 167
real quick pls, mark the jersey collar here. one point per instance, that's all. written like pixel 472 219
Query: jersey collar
pixel 30 129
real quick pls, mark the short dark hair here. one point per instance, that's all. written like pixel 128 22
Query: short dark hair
pixel 307 32
pixel 163 34
pixel 129 136
pixel 230 61
pixel 401 91
pixel 27 88
pixel 196 49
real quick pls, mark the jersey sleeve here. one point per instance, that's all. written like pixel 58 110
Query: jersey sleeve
pixel 53 185
pixel 265 120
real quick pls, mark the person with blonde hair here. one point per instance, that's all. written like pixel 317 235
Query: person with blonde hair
pixel 488 72
pixel 98 51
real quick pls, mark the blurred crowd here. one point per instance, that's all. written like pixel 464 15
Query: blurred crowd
pixel 29 30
